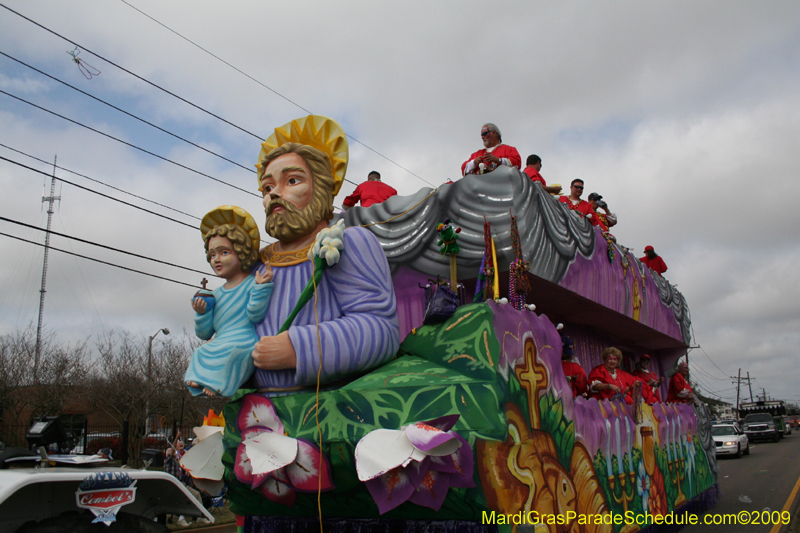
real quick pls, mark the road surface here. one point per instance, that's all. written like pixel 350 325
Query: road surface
pixel 767 477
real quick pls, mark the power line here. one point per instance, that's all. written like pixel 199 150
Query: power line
pixel 712 361
pixel 103 262
pixel 131 73
pixel 129 114
pixel 99 193
pixel 259 137
pixel 272 90
pixel 704 352
pixel 103 246
pixel 696 366
pixel 218 58
pixel 130 144
pixel 166 91
pixel 104 184
pixel 85 284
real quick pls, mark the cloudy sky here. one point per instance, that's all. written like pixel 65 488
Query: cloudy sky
pixel 684 115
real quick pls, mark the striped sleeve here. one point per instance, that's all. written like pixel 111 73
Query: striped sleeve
pixel 358 327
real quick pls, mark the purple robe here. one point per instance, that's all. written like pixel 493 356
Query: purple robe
pixel 358 326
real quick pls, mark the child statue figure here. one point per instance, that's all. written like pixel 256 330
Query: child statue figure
pixel 222 365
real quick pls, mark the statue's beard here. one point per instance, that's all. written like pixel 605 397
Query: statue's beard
pixel 291 223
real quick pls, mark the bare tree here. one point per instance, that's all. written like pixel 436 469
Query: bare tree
pixel 17 351
pixel 114 381
pixel 61 376
pixel 172 402
pixel 120 386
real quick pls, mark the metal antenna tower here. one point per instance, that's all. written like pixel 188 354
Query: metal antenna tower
pixel 49 199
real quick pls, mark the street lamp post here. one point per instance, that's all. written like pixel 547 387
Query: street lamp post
pixel 165 331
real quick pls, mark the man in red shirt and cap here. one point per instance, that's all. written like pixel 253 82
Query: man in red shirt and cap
pixel 653 260
pixel 494 153
pixel 372 191
pixel 604 220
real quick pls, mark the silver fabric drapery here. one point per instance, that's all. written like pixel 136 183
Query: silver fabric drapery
pixel 550 233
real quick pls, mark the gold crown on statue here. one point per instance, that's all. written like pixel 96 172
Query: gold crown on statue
pixel 231 214
pixel 316 131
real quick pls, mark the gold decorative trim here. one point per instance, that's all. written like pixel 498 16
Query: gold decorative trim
pixel 284 259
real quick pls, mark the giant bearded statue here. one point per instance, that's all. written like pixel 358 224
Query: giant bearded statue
pixel 352 315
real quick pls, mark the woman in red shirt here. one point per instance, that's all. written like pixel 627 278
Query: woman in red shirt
pixel 608 380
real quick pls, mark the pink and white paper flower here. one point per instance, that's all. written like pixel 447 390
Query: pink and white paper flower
pixel 277 465
pixel 417 463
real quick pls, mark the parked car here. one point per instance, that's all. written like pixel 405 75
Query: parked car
pixel 730 440
pixel 95 441
pixel 761 426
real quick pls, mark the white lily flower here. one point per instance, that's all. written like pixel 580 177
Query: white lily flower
pixel 328 244
pixel 337 230
pixel 313 252
pixel 330 254
pixel 327 240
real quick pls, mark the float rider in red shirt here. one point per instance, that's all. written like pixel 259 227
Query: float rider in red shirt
pixel 653 260
pixel 574 202
pixel 493 154
pixel 576 376
pixel 604 219
pixel 372 191
pixel 679 389
pixel 650 381
pixel 608 380
pixel 533 166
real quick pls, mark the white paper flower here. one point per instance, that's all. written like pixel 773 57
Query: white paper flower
pixel 203 461
pixel 417 463
pixel 328 244
pixel 277 465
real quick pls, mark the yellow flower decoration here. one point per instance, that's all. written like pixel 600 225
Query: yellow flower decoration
pixel 231 214
pixel 316 131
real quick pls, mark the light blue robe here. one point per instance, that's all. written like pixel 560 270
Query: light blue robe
pixel 225 363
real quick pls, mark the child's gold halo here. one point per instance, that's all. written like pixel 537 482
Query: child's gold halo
pixel 231 214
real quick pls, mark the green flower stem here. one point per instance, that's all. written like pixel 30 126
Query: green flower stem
pixel 319 266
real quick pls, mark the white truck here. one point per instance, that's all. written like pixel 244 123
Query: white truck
pixel 62 493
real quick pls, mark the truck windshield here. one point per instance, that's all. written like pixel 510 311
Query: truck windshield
pixel 761 417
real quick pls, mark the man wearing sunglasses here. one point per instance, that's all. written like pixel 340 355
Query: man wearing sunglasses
pixel 574 202
pixel 493 154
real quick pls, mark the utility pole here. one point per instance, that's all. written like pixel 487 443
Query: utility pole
pixel 749 386
pixel 738 382
pixel 49 199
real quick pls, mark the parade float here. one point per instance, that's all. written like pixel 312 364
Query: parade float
pixel 470 425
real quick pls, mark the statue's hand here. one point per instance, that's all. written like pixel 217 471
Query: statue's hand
pixel 266 277
pixel 275 353
pixel 199 306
